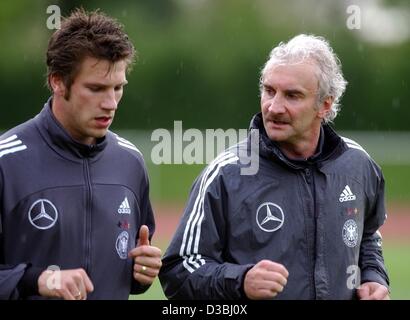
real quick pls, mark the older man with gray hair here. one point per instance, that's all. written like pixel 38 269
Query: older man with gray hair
pixel 305 226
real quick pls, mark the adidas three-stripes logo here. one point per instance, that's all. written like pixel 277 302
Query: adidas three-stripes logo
pixel 11 145
pixel 347 195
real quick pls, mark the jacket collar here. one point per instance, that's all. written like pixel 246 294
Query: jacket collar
pixel 59 139
pixel 330 143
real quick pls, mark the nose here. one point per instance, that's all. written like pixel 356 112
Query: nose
pixel 276 105
pixel 110 101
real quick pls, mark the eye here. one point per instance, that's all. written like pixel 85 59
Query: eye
pixel 269 91
pixel 293 95
pixel 118 88
pixel 95 88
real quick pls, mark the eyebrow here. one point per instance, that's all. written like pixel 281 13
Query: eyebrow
pixel 287 91
pixel 295 91
pixel 266 86
pixel 102 85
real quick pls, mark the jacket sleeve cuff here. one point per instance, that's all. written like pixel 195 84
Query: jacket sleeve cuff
pixel 28 284
pixel 137 288
pixel 235 278
pixel 370 275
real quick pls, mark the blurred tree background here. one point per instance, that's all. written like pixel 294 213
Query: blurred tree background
pixel 199 60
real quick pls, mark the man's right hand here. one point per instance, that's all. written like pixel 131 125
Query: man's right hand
pixel 265 280
pixel 73 284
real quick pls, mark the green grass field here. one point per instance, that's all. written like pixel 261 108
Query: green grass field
pixel 172 182
pixel 397 178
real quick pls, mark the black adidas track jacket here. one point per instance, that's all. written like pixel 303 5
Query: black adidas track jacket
pixel 319 218
pixel 69 205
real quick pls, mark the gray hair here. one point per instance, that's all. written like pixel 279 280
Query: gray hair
pixel 329 75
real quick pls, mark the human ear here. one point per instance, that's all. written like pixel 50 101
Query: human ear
pixel 325 107
pixel 57 84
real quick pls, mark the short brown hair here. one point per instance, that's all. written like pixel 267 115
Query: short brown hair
pixel 86 34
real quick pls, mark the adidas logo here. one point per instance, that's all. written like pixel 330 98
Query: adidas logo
pixel 347 195
pixel 124 208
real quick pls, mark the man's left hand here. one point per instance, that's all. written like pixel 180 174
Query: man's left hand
pixel 147 259
pixel 372 291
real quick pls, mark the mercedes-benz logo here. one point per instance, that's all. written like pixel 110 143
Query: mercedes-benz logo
pixel 269 217
pixel 42 214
